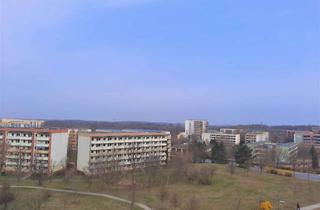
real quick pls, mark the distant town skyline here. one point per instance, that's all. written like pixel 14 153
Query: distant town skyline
pixel 229 62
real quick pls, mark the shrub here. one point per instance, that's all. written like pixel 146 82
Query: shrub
pixel 202 176
pixel 273 171
pixel 280 172
pixel 288 174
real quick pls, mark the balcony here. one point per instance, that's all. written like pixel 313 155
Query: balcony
pixel 42 151
pixel 42 145
pixel 39 138
pixel 42 158
pixel 21 144
pixel 19 138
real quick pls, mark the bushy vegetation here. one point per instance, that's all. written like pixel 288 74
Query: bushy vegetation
pixel 280 172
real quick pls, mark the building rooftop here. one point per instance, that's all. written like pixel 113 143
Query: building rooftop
pixel 34 130
pixel 125 133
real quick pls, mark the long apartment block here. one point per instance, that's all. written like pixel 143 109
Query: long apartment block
pixel 221 137
pixel 96 150
pixel 21 123
pixel 30 149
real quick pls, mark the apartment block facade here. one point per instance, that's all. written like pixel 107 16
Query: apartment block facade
pixel 230 130
pixel 19 123
pixel 96 150
pixel 308 138
pixel 196 127
pixel 30 149
pixel 253 137
pixel 221 137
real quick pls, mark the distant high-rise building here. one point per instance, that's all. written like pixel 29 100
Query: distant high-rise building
pixel 19 123
pixel 196 127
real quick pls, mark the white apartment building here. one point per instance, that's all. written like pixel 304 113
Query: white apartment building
pixel 196 127
pixel 19 123
pixel 97 150
pixel 29 149
pixel 254 137
pixel 221 137
pixel 307 137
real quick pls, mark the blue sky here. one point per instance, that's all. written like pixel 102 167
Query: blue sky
pixel 231 62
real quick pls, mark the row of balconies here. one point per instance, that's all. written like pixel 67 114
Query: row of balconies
pixel 42 158
pixel 97 151
pixel 19 137
pixel 42 145
pixel 127 138
pixel 21 144
pixel 17 156
pixel 39 138
pixel 126 141
pixel 12 163
pixel 17 150
pixel 101 163
pixel 22 150
pixel 94 147
pixel 150 154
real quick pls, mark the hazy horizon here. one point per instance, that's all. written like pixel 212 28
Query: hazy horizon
pixel 229 62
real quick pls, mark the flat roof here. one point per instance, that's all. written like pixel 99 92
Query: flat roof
pixel 48 130
pixel 124 133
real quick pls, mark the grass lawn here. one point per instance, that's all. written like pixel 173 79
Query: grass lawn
pixel 228 191
pixel 26 199
pixel 243 189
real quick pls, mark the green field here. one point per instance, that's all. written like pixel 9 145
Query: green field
pixel 242 191
pixel 27 200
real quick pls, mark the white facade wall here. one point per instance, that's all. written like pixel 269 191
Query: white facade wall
pixel 230 130
pixel 189 127
pixel 97 150
pixel 221 137
pixel 257 137
pixel 83 155
pixel 59 149
pixel 195 127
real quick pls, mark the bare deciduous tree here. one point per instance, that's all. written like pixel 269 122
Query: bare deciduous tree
pixel 5 195
pixel 303 155
pixel 152 171
pixel 133 158
pixel 163 193
pixel 232 166
pixel 175 200
pixel 3 150
pixel 179 166
pixel 18 164
pixel 193 204
pixel 37 202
